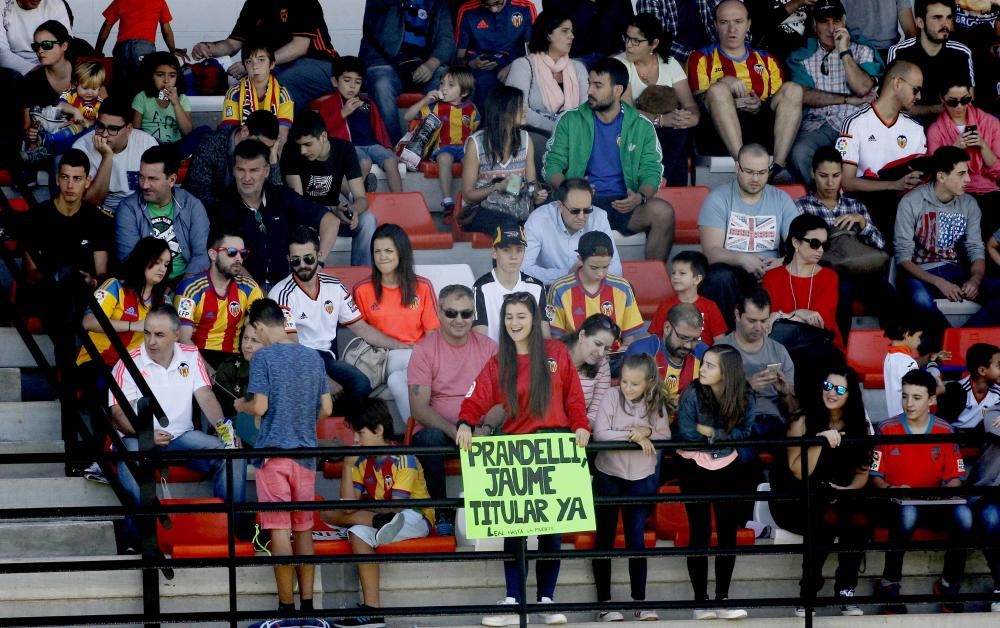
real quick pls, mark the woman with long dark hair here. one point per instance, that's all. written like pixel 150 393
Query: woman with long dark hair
pixel 833 410
pixel 535 381
pixel 397 302
pixel 498 170
pixel 719 407
pixel 588 347
pixel 41 88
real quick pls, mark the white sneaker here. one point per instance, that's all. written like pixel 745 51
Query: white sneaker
pixel 995 606
pixel 730 613
pixel 705 613
pixel 849 609
pixel 388 533
pixel 646 616
pixel 801 611
pixel 551 619
pixel 511 619
pixel 608 616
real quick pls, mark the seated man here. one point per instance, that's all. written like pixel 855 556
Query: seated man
pixel 679 353
pixel 442 369
pixel 161 209
pixel 925 465
pixel 381 477
pixel 553 231
pixel 829 96
pixel 211 305
pixel 175 373
pixel 593 290
pixel 316 166
pixel 743 89
pixel 114 150
pixel 742 225
pixel 489 35
pixel 507 277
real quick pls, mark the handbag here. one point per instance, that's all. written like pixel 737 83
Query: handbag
pixel 796 335
pixel 845 251
pixel 517 206
pixel 368 359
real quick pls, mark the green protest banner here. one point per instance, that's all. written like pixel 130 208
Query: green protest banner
pixel 524 485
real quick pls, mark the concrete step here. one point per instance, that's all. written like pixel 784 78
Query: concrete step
pixel 13 353
pixel 35 539
pixel 32 470
pixel 10 384
pixel 53 492
pixel 27 421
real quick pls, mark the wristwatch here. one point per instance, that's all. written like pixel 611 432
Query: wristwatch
pixel 844 53
pixel 643 197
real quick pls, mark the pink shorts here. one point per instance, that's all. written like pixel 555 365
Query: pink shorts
pixel 284 480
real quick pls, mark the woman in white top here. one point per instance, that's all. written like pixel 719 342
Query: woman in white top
pixel 645 56
pixel 550 81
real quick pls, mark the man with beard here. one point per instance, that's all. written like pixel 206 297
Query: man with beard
pixel 315 304
pixel 678 356
pixel 626 167
pixel 211 304
pixel 932 51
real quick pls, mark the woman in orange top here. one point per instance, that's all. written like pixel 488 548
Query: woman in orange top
pixel 398 303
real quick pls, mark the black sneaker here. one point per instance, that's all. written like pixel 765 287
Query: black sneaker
pixel 888 594
pixel 361 621
pixel 371 183
pixel 946 596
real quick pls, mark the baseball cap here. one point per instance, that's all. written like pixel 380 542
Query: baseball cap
pixel 511 234
pixel 828 8
pixel 594 243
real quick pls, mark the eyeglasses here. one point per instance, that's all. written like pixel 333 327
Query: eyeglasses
pixel 954 102
pixel 111 130
pixel 815 243
pixel 633 41
pixel 916 88
pixel 297 261
pixel 753 173
pixel 232 251
pixel 47 44
pixel 822 66
pixel 840 390
pixel 685 340
pixel 465 314
pixel 577 211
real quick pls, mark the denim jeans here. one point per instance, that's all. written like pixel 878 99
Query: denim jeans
pixel 361 238
pixel 306 79
pixel 125 59
pixel 806 143
pixel 383 85
pixel 634 524
pixel 355 383
pixel 433 466
pixel 922 295
pixel 987 513
pixel 903 520
pixel 546 571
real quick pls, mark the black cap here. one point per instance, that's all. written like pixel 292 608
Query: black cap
pixel 595 243
pixel 828 8
pixel 511 234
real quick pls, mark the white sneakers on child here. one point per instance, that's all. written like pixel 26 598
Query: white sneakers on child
pixel 503 619
pixel 551 619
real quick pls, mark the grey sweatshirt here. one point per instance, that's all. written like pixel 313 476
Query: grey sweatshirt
pixel 929 232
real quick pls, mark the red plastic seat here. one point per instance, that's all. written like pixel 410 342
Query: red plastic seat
pixel 107 64
pixel 795 190
pixel 182 171
pixel 866 351
pixel 6 178
pixel 881 535
pixel 959 339
pixel 687 202
pixel 477 240
pixel 348 275
pixel 334 428
pixel 342 547
pixel 585 540
pixel 452 466
pixel 650 283
pixel 409 211
pixel 671 523
pixel 178 474
pixel 408 99
pixel 430 169
pixel 197 534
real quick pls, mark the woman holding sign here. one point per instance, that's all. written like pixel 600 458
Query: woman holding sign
pixel 717 408
pixel 537 384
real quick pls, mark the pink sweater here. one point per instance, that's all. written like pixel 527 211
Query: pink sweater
pixel 942 132
pixel 612 422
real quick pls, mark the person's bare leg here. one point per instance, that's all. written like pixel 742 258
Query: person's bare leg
pixel 344 519
pixel 787 107
pixel 391 167
pixel 722 107
pixel 444 162
pixel 366 167
pixel 281 545
pixel 368 573
pixel 306 573
pixel 656 218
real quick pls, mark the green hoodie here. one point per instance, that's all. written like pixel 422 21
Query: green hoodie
pixel 568 150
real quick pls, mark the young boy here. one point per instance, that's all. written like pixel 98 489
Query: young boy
pixel 904 341
pixel 459 119
pixel 259 90
pixel 979 391
pixel 289 393
pixel 505 278
pixel 925 465
pixel 687 271
pixel 353 116
pixel 136 34
pixel 382 477
pixel 80 104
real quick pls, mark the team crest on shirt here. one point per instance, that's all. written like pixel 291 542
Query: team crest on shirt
pixel 901 141
pixel 758 68
pixel 553 366
pixel 550 312
pixel 328 306
pixel 387 482
pixel 416 303
pixel 184 369
pixel 100 295
pixel 234 308
pixel 935 453
pixel 607 308
pixel 516 20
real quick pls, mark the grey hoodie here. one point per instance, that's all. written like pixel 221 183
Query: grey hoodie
pixel 928 232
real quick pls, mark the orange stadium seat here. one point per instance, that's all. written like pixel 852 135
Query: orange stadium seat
pixel 409 99
pixel 178 474
pixel 478 240
pixel 795 190
pixel 650 282
pixel 959 339
pixel 197 534
pixel 334 428
pixel 342 547
pixel 409 211
pixel 866 351
pixel 686 202
pixel 671 522
pixel 348 275
pixel 452 466
pixel 585 540
pixel 431 170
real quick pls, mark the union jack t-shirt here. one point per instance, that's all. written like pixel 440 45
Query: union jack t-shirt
pixel 749 228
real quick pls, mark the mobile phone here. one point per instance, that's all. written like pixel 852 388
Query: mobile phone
pixel 773 369
pixel 972 128
pixel 514 184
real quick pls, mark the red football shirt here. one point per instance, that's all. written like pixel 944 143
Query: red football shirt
pixel 715 325
pixel 924 465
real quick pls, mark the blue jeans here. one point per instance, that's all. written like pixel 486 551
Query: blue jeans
pixel 903 520
pixel 125 59
pixel 922 295
pixel 355 383
pixel 988 515
pixel 806 143
pixel 634 524
pixel 383 85
pixel 546 571
pixel 306 79
pixel 361 238
pixel 434 472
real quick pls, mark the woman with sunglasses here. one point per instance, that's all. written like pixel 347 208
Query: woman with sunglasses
pixel 397 302
pixel 41 88
pixel 833 410
pixel 800 289
pixel 968 127
pixel 588 348
pixel 535 381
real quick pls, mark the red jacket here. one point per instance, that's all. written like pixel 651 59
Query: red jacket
pixel 329 106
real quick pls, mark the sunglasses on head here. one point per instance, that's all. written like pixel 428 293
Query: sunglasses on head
pixel 815 243
pixel 840 390
pixel 232 251
pixel 576 212
pixel 46 44
pixel 954 102
pixel 297 261
pixel 520 297
pixel 465 314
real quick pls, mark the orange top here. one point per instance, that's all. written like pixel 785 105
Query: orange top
pixel 405 323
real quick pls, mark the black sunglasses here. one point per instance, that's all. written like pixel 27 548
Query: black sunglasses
pixel 232 251
pixel 297 261
pixel 815 243
pixel 465 314
pixel 576 212
pixel 46 44
pixel 840 390
pixel 954 102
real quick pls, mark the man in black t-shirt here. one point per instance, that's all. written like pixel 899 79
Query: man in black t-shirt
pixel 295 31
pixel 318 170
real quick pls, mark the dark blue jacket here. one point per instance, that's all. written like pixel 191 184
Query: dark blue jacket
pixel 384 19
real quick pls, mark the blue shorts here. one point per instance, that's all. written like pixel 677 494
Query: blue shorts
pixel 458 152
pixel 375 153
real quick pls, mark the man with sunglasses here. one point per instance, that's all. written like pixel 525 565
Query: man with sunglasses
pixel 212 304
pixel 115 150
pixel 678 355
pixel 837 75
pixel 553 231
pixel 315 304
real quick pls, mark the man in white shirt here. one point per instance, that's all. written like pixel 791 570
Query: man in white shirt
pixel 553 232
pixel 315 304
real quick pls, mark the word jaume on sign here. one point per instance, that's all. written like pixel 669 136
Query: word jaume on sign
pixel 522 485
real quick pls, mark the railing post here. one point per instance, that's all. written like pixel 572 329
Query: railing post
pixel 231 522
pixel 147 525
pixel 807 538
pixel 521 551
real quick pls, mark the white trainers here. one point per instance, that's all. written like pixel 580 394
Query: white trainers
pixel 646 616
pixel 995 606
pixel 388 533
pixel 730 613
pixel 551 619
pixel 509 619
pixel 608 616
pixel 848 608
pixel 705 613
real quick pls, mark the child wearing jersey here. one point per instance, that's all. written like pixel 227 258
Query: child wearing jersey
pixel 80 104
pixel 902 357
pixel 259 90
